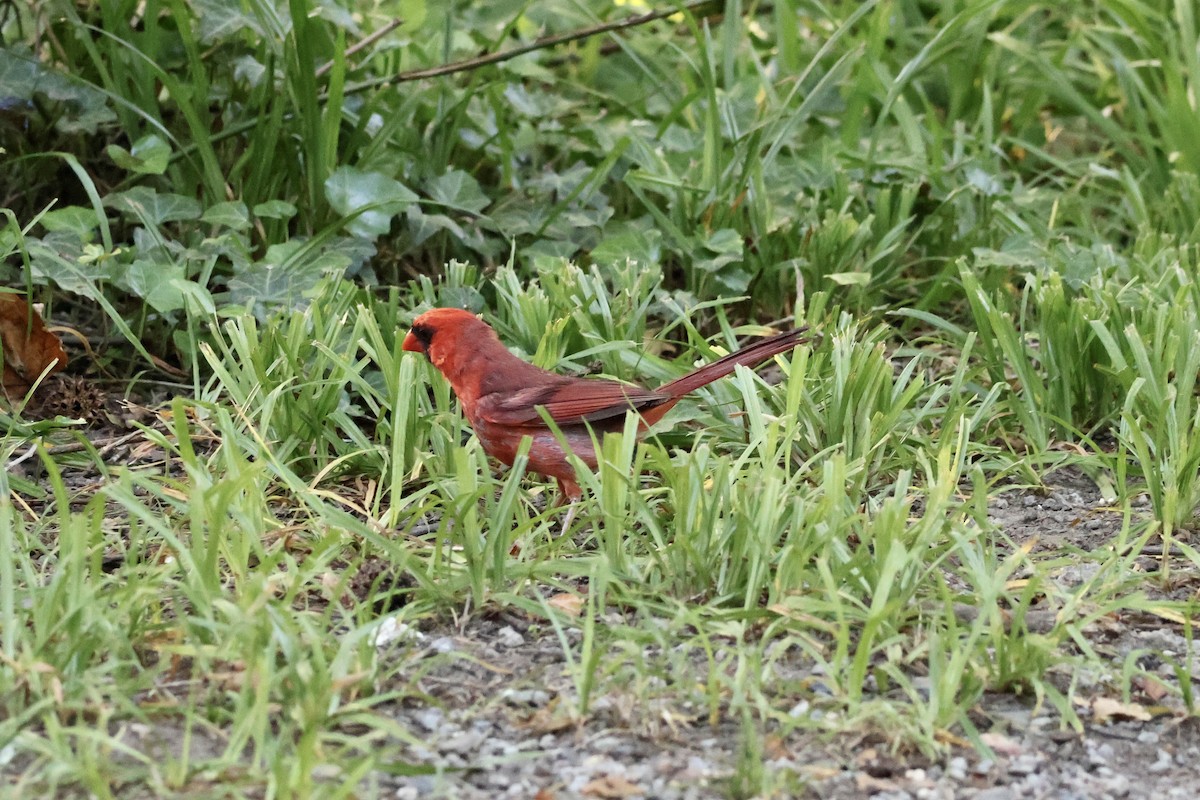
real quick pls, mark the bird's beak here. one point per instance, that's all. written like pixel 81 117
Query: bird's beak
pixel 412 344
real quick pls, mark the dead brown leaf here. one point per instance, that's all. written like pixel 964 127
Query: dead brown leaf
pixel 569 604
pixel 550 718
pixel 1150 686
pixel 820 772
pixel 1106 708
pixel 612 787
pixel 774 748
pixel 946 737
pixel 871 785
pixel 1001 745
pixel 29 349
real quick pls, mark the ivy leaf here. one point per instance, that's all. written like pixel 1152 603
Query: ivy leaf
pixel 164 286
pixel 369 199
pixel 152 208
pixel 149 156
pixel 459 191
pixel 233 215
pixel 850 278
pixel 639 241
pixel 725 246
pixel 84 108
pixel 988 185
pixel 285 277
pixel 275 209
pixel 80 220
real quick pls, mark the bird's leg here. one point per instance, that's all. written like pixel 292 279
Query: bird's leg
pixel 569 494
pixel 568 519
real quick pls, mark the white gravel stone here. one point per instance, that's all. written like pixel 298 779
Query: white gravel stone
pixel 525 697
pixel 431 719
pixel 443 644
pixel 464 743
pixel 1164 762
pixel 509 638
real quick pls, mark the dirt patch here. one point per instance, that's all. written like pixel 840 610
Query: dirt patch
pixel 500 724
pixel 498 715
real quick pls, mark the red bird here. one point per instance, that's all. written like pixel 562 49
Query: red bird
pixel 501 394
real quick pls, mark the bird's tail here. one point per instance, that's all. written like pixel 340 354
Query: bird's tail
pixel 747 357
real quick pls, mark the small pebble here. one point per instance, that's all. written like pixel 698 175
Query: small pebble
pixel 392 630
pixel 443 644
pixel 1119 785
pixel 1164 762
pixel 465 742
pixel 507 637
pixel 1099 755
pixel 525 697
pixel 994 793
pixel 430 718
pixel 1023 764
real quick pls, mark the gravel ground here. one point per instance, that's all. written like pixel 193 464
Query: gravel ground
pixel 501 726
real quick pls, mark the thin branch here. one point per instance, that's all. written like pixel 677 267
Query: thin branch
pixel 365 43
pixel 704 7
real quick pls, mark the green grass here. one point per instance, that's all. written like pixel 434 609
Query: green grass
pixel 986 208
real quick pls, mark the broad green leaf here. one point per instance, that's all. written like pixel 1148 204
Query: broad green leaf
pixel 370 198
pixel 641 243
pixel 985 183
pixel 149 156
pixel 850 278
pixel 164 286
pixel 458 190
pixel 221 20
pixel 77 219
pixel 285 276
pixel 726 245
pixel 725 242
pixel 275 209
pixel 151 207
pixel 233 215
pixel 82 108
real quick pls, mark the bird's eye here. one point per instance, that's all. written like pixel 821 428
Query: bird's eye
pixel 424 335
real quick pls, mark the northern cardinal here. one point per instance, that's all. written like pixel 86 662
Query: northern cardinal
pixel 501 394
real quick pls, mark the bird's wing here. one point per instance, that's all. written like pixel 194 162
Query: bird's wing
pixel 571 401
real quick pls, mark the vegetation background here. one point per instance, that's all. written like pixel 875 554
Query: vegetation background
pixel 989 208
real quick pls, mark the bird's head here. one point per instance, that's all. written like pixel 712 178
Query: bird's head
pixel 441 332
